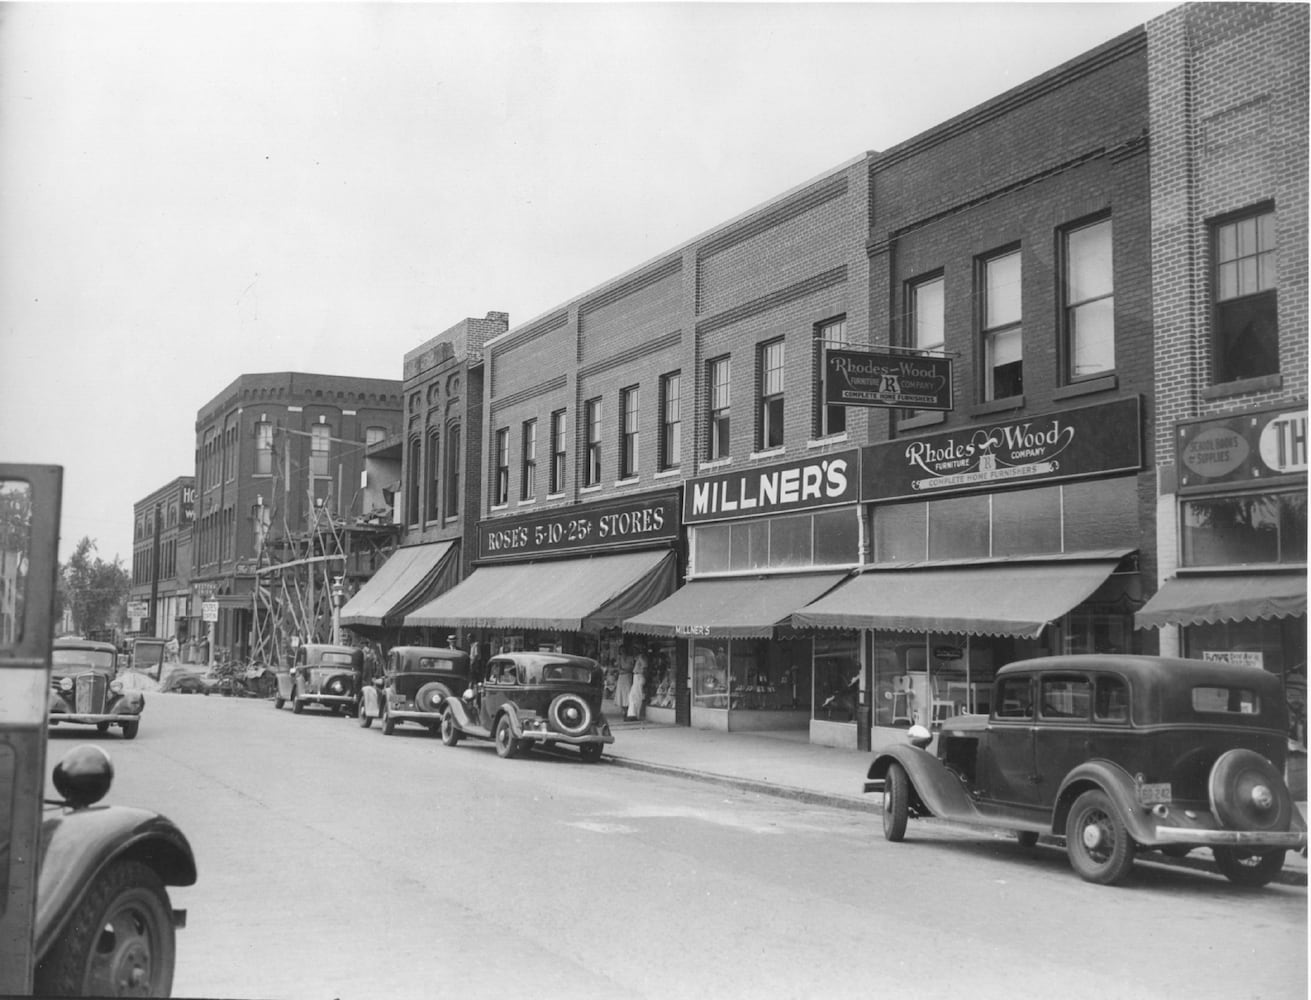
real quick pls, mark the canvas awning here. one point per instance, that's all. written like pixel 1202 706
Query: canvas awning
pixel 410 576
pixel 1225 597
pixel 976 599
pixel 568 595
pixel 732 607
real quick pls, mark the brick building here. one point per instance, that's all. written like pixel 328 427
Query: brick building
pixel 161 544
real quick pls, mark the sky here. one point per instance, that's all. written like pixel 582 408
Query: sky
pixel 189 192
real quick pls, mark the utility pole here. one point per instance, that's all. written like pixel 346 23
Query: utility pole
pixel 154 578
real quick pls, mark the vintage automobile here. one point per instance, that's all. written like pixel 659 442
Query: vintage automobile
pixel 85 687
pixel 104 922
pixel 322 675
pixel 413 686
pixel 1117 753
pixel 527 699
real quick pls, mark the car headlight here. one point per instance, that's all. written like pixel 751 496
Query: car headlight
pixel 116 686
pixel 66 684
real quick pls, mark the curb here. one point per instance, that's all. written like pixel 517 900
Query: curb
pixel 852 803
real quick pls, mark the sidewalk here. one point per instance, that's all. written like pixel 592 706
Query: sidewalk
pixel 788 766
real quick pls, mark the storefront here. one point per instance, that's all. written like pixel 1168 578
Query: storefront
pixel 1239 591
pixel 986 545
pixel 762 544
pixel 411 576
pixel 565 580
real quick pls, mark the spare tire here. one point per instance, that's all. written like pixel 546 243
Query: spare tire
pixel 1247 792
pixel 570 714
pixel 429 698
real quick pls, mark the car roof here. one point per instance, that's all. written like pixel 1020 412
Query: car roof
pixel 72 642
pixel 324 647
pixel 441 652
pixel 530 659
pixel 1151 671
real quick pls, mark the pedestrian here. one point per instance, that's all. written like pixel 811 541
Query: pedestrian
pixel 637 696
pixel 624 684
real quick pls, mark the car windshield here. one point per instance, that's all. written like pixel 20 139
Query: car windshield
pixel 566 672
pixel 1236 701
pixel 74 661
pixel 334 660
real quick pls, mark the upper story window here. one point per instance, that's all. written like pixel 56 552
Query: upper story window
pixel 770 417
pixel 413 473
pixel 263 448
pixel 832 419
pixel 718 424
pixel 671 423
pixel 528 472
pixel 1003 337
pixel 230 454
pixel 320 448
pixel 501 485
pixel 453 471
pixel 434 476
pixel 1246 324
pixel 559 450
pixel 373 435
pixel 1089 317
pixel 592 418
pixel 628 432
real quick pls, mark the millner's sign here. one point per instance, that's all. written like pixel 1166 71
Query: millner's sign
pixel 874 379
pixel 611 524
pixel 823 481
pixel 1092 440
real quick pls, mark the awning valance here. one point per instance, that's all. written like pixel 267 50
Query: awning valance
pixel 1225 597
pixel 980 599
pixel 409 576
pixel 732 607
pixel 568 595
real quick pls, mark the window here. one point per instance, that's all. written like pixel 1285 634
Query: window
pixel 412 472
pixel 770 417
pixel 263 448
pixel 628 439
pixel 1065 697
pixel 832 419
pixel 1089 302
pixel 434 476
pixel 592 416
pixel 501 486
pixel 927 321
pixel 1245 320
pixel 1014 698
pixel 453 471
pixel 1245 528
pixel 320 446
pixel 671 425
pixel 528 472
pixel 1111 700
pixel 1003 342
pixel 718 445
pixel 558 451
pixel 374 435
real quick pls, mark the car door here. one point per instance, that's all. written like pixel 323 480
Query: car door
pixel 1063 732
pixel 497 689
pixel 1007 766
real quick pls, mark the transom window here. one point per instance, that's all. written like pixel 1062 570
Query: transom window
pixel 1246 325
pixel 771 395
pixel 1003 334
pixel 1089 301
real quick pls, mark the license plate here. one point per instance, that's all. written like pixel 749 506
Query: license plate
pixel 1152 794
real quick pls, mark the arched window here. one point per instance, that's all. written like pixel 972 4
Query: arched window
pixel 434 475
pixel 453 471
pixel 413 472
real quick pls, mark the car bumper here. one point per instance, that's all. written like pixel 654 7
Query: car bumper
pixel 93 719
pixel 409 715
pixel 547 736
pixel 327 699
pixel 1229 838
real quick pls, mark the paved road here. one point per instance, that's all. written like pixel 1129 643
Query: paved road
pixel 335 862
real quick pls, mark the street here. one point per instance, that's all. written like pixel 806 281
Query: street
pixel 336 862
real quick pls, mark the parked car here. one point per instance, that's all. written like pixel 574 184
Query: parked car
pixel 186 678
pixel 413 686
pixel 1117 753
pixel 85 687
pixel 322 675
pixel 527 699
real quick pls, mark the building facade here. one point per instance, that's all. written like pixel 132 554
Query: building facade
pixel 161 561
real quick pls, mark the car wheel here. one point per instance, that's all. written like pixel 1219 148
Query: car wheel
pixel 102 727
pixel 429 698
pixel 450 731
pixel 590 752
pixel 570 714
pixel 388 723
pixel 1026 838
pixel 297 706
pixel 366 720
pixel 278 701
pixel 130 729
pixel 119 939
pixel 896 803
pixel 506 745
pixel 1096 840
pixel 1248 868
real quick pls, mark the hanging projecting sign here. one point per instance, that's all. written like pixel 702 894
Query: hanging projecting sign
pixel 608 525
pixel 875 379
pixel 1241 448
pixel 1090 441
pixel 823 481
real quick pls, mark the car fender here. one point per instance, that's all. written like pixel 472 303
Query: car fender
pixel 369 698
pixel 132 703
pixel 77 845
pixel 461 713
pixel 512 711
pixel 935 790
pixel 1119 786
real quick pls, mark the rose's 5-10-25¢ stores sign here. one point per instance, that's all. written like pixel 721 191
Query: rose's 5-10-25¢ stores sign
pixel 608 525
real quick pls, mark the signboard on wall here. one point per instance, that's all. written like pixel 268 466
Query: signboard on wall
pixel 886 379
pixel 821 481
pixel 1242 448
pixel 1093 440
pixel 608 525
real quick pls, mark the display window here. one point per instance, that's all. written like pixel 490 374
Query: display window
pixel 765 675
pixel 837 677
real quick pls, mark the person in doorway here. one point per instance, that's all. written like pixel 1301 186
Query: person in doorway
pixel 637 695
pixel 624 685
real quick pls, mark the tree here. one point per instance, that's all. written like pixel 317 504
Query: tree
pixel 94 591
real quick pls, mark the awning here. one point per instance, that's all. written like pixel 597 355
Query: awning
pixel 976 599
pixel 568 595
pixel 732 607
pixel 411 575
pixel 1225 597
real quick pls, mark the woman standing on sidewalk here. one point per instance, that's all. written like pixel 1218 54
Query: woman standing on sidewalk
pixel 624 685
pixel 637 696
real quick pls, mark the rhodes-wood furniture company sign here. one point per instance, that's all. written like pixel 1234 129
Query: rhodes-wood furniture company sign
pixel 881 379
pixel 1093 440
pixel 608 525
pixel 822 481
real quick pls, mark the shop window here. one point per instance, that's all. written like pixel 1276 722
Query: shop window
pixel 413 469
pixel 959 528
pixel 900 532
pixel 320 449
pixel 501 485
pixel 749 545
pixel 769 418
pixel 559 451
pixel 718 424
pixel 712 548
pixel 837 537
pixel 528 466
pixel 1245 528
pixel 1099 514
pixel 592 418
pixel 453 471
pixel 1094 628
pixel 671 425
pixel 1245 318
pixel 831 419
pixel 823 538
pixel 629 441
pixel 1026 522
pixel 791 541
pixel 837 677
pixel 709 675
pixel 434 478
pixel 1089 314
pixel 1003 339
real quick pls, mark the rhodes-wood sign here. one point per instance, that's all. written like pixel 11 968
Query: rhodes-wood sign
pixel 883 379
